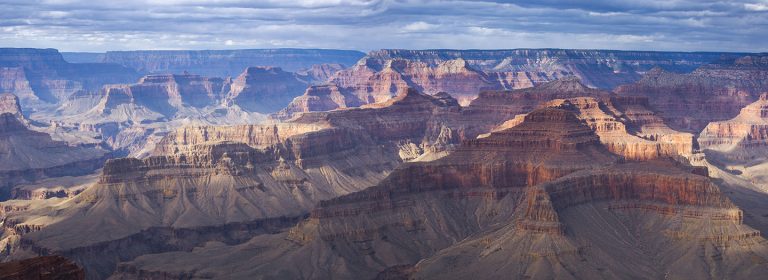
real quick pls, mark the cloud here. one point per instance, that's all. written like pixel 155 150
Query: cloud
pixel 688 25
pixel 758 7
pixel 418 26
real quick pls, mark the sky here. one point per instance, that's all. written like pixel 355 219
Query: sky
pixel 664 25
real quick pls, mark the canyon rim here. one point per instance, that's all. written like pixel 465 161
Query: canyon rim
pixel 383 139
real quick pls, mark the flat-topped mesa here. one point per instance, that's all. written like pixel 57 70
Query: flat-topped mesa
pixel 189 90
pixel 570 85
pixel 265 89
pixel 545 129
pixel 630 130
pixel 181 90
pixel 742 138
pixel 411 116
pixel 548 144
pixel 159 94
pixel 315 99
pixel 500 106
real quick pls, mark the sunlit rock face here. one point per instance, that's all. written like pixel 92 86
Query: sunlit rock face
pixel 744 137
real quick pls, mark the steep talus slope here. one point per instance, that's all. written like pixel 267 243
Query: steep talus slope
pixel 541 199
pixel 48 267
pixel 714 92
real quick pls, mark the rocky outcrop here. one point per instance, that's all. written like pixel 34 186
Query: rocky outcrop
pixel 223 63
pixel 737 149
pixel 628 128
pixel 125 117
pixel 42 268
pixel 265 89
pixel 315 99
pixel 743 138
pixel 714 92
pixel 9 104
pixel 165 94
pixel 501 106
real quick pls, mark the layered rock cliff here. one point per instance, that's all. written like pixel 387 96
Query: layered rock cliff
pixel 265 89
pixel 27 155
pixel 628 128
pixel 223 63
pixel 41 77
pixel 255 173
pixel 714 92
pixel 465 73
pixel 542 199
pixel 125 117
pixel 743 138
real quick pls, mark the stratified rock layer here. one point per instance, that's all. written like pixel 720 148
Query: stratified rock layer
pixel 265 89
pixel 743 138
pixel 714 92
pixel 542 199
pixel 383 74
pixel 223 178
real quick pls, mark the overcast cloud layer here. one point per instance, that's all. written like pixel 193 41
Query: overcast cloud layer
pixel 687 25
